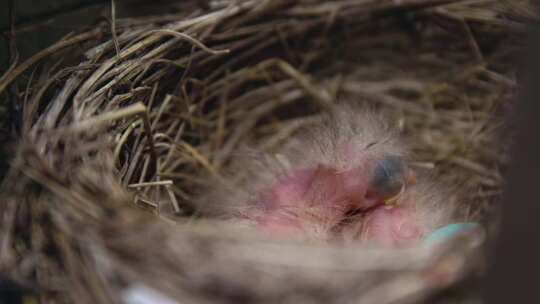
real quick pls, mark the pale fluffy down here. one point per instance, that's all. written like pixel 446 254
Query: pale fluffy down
pixel 346 139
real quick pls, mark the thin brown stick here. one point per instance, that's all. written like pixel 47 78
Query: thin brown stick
pixel 193 41
pixel 113 28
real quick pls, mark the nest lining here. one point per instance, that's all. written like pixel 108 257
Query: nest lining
pixel 145 116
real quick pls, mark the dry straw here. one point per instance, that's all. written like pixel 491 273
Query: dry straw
pixel 121 124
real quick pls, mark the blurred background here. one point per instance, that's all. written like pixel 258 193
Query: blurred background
pixel 38 24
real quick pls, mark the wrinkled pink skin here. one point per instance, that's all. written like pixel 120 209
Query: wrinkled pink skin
pixel 390 226
pixel 322 196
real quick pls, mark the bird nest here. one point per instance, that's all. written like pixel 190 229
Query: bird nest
pixel 124 124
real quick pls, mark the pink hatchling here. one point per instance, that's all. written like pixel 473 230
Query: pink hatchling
pixel 346 178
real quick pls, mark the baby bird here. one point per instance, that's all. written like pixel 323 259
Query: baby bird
pixel 346 178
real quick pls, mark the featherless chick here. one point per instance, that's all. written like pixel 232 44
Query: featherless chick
pixel 346 178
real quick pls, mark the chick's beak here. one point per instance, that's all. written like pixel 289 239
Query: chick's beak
pixel 411 177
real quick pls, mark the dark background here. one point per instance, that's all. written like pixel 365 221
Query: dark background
pixel 515 263
pixel 41 23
